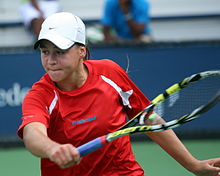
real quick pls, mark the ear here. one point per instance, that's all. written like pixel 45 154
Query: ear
pixel 82 51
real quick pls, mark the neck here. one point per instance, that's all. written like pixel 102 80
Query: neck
pixel 78 78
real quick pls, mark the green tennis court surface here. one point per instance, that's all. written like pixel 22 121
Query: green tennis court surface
pixel 153 159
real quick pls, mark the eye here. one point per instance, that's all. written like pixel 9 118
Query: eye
pixel 44 51
pixel 60 52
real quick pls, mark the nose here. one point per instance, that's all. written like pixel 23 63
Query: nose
pixel 52 59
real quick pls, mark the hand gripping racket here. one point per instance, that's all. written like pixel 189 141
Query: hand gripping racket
pixel 179 104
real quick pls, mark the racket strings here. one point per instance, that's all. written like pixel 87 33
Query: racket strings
pixel 189 98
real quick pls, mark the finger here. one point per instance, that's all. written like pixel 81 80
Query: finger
pixel 66 154
pixel 215 170
pixel 56 157
pixel 76 155
pixel 216 162
pixel 71 164
pixel 72 156
pixel 61 156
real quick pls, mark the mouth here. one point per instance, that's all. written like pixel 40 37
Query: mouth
pixel 54 70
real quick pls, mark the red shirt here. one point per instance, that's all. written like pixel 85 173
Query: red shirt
pixel 96 108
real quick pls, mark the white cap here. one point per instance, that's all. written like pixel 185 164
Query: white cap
pixel 63 30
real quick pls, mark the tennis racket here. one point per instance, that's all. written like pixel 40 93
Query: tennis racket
pixel 182 102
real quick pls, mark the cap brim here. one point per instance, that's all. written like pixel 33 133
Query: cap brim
pixel 57 40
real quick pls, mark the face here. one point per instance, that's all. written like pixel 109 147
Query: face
pixel 124 2
pixel 62 65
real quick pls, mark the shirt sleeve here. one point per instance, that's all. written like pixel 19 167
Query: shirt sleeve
pixel 142 12
pixel 34 109
pixel 107 13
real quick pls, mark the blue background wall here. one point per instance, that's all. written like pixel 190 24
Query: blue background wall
pixel 153 69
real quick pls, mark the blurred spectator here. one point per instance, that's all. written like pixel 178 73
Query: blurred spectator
pixel 33 13
pixel 129 19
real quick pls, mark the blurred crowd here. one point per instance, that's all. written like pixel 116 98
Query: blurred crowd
pixel 121 20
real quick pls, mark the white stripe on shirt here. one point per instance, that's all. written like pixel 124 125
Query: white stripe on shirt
pixel 53 103
pixel 124 95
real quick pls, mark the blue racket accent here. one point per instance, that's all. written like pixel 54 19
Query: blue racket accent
pixel 91 146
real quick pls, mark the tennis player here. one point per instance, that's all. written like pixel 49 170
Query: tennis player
pixel 78 100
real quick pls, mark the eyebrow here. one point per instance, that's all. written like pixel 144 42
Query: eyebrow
pixel 41 45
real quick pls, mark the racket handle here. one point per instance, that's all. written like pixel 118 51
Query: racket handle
pixel 92 146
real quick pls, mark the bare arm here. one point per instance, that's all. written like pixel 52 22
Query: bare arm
pixel 35 5
pixel 107 34
pixel 136 29
pixel 37 142
pixel 175 148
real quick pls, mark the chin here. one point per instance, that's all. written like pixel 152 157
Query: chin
pixel 55 78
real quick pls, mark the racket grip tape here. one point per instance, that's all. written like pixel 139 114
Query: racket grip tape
pixel 92 146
